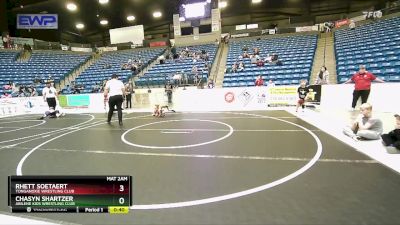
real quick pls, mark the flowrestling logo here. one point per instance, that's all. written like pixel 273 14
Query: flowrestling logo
pixel 37 21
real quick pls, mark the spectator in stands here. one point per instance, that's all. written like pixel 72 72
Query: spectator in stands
pixel 50 79
pixel 253 59
pixel 391 140
pixel 22 91
pixel 271 83
pixel 256 51
pixel 245 55
pixel 210 84
pixel 194 69
pixel 352 25
pixel 173 50
pixel 259 81
pixel 177 79
pixel 124 66
pixel 161 59
pixel 34 92
pixel 245 49
pixel 6 95
pixel 7 41
pixel 107 66
pixel 7 86
pixel 268 59
pixel 322 77
pixel 96 88
pixel 216 42
pixel 365 126
pixel 241 66
pixel 274 58
pixel 37 80
pixel 14 89
pixel 328 27
pixel 260 63
pixel 234 67
pixel 362 87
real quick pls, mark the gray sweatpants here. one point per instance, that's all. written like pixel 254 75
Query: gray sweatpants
pixel 367 134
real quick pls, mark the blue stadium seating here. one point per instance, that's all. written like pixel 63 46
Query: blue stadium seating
pixel 295 52
pixel 96 73
pixel 42 64
pixel 377 45
pixel 160 73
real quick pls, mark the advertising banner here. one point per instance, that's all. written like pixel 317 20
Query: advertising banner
pixel 37 21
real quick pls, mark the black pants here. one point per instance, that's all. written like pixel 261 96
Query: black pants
pixel 51 102
pixel 392 138
pixel 169 95
pixel 129 100
pixel 356 95
pixel 113 101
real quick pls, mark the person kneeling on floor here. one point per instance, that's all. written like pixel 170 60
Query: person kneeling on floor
pixel 365 127
pixel 391 140
pixel 52 113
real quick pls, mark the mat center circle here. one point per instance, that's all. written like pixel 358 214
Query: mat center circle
pixel 165 134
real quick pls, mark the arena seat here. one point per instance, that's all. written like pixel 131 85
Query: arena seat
pixel 96 73
pixel 160 73
pixel 377 45
pixel 295 52
pixel 42 64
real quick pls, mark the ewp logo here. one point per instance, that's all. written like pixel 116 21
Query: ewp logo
pixel 37 21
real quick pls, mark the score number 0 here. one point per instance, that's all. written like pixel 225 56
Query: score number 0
pixel 121 200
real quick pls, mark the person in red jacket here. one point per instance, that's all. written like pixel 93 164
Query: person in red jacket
pixel 362 87
pixel 259 81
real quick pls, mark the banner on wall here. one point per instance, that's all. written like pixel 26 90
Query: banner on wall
pixel 22 41
pixel 314 94
pixel 215 20
pixel 158 43
pixel 340 23
pixel 307 28
pixel 78 49
pixel 282 96
pixel 37 21
pixel 74 101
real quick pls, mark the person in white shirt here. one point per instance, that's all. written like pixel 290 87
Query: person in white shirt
pixel 322 76
pixel 49 95
pixel 270 84
pixel 352 24
pixel 115 90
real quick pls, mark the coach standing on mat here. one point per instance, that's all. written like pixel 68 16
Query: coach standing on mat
pixel 49 95
pixel 362 87
pixel 116 91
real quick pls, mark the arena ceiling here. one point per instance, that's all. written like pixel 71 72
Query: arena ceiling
pixel 90 12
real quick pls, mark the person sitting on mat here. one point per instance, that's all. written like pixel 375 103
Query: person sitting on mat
pixel 51 113
pixel 365 126
pixel 391 140
pixel 159 111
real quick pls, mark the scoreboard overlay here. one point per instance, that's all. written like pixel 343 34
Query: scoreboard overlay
pixel 70 194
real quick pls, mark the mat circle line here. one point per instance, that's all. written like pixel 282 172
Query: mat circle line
pixel 266 186
pixel 179 146
pixel 21 128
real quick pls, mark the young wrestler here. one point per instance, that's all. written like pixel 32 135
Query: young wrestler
pixel 51 113
pixel 302 91
pixel 391 140
pixel 159 111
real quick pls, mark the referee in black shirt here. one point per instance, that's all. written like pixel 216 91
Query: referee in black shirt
pixel 115 90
